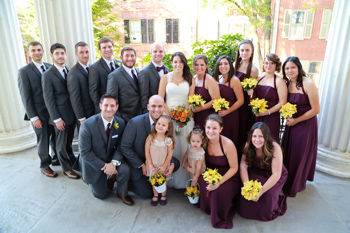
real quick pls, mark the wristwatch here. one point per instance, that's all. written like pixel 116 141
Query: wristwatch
pixel 116 162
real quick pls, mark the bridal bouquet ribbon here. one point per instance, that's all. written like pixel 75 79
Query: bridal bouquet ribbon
pixel 181 115
pixel 220 104
pixel 258 105
pixel 287 110
pixel 196 100
pixel 251 190
pixel 212 176
pixel 249 83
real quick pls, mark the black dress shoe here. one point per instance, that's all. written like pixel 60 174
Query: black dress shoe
pixel 127 200
pixel 71 174
pixel 47 171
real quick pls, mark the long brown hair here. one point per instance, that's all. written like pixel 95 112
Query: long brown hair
pixel 217 72
pixel 239 59
pixel 301 72
pixel 267 149
pixel 169 133
pixel 186 71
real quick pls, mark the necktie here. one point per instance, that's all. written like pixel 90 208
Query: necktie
pixel 108 130
pixel 87 69
pixel 65 73
pixel 159 68
pixel 135 78
pixel 111 65
pixel 42 68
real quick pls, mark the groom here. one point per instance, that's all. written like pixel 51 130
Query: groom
pixel 133 145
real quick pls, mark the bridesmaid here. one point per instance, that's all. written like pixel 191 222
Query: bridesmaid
pixel 230 89
pixel 262 160
pixel 274 91
pixel 218 200
pixel 244 68
pixel 207 87
pixel 300 137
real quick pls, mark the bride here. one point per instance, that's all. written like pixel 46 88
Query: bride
pixel 175 88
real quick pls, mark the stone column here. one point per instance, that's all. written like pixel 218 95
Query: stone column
pixel 334 123
pixel 15 133
pixel 66 22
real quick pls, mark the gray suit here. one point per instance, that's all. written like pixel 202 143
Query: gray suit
pixel 133 149
pixel 122 86
pixel 58 104
pixel 149 79
pixel 96 150
pixel 78 88
pixel 98 81
pixel 30 88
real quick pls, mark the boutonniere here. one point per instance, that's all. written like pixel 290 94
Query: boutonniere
pixel 116 125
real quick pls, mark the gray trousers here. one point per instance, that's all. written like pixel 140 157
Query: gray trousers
pixel 100 190
pixel 64 140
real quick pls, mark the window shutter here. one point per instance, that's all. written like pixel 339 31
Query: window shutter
pixel 168 30
pixel 144 30
pixel 150 31
pixel 286 24
pixel 326 21
pixel 126 32
pixel 176 31
pixel 308 24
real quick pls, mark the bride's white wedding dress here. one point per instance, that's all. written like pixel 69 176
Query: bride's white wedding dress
pixel 177 95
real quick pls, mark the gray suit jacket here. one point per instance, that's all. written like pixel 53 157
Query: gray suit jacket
pixel 98 81
pixel 134 137
pixel 149 79
pixel 122 86
pixel 96 149
pixel 78 88
pixel 30 88
pixel 56 96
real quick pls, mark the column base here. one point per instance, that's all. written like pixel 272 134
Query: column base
pixel 333 162
pixel 18 140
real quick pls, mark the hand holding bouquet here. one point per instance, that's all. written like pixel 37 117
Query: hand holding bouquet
pixel 249 83
pixel 196 101
pixel 258 105
pixel 220 104
pixel 251 190
pixel 287 110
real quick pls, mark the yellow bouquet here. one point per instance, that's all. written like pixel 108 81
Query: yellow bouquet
pixel 192 191
pixel 157 179
pixel 196 100
pixel 251 190
pixel 219 104
pixel 249 83
pixel 258 105
pixel 212 176
pixel 287 110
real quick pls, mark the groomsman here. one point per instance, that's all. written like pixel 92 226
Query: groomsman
pixel 99 71
pixel 30 88
pixel 123 83
pixel 57 101
pixel 100 157
pixel 151 74
pixel 78 84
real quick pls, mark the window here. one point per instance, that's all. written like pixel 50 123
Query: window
pixel 172 30
pixel 314 67
pixel 325 23
pixel 139 31
pixel 147 26
pixel 298 24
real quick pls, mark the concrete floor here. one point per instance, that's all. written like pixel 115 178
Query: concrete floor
pixel 31 202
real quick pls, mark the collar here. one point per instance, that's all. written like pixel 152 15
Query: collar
pixel 38 66
pixel 157 65
pixel 82 65
pixel 60 68
pixel 108 61
pixel 105 122
pixel 151 121
pixel 128 70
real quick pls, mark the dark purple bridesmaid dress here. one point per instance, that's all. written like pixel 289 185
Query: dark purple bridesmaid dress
pixel 271 96
pixel 231 121
pixel 246 117
pixel 200 117
pixel 272 203
pixel 299 145
pixel 220 202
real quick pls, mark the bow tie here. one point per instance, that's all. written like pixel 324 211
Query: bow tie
pixel 159 68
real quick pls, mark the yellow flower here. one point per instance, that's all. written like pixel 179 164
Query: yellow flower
pixel 192 191
pixel 251 190
pixel 258 105
pixel 157 179
pixel 196 100
pixel 249 83
pixel 219 104
pixel 287 110
pixel 212 176
pixel 116 125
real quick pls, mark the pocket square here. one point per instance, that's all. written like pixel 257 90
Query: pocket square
pixel 115 136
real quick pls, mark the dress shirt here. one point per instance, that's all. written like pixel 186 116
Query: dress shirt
pixel 161 72
pixel 109 63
